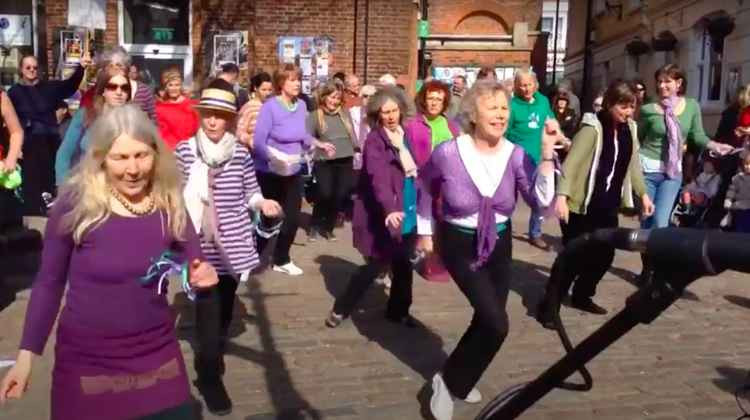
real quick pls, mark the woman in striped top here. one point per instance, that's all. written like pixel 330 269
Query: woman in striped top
pixel 220 189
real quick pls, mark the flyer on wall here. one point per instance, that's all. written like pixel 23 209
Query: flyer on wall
pixel 226 50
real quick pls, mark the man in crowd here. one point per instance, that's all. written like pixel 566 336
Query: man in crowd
pixel 529 109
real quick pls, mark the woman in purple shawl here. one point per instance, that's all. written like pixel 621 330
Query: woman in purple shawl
pixel 478 177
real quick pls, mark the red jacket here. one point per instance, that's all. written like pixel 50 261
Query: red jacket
pixel 178 121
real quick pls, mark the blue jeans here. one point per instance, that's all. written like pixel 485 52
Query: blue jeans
pixel 535 224
pixel 663 191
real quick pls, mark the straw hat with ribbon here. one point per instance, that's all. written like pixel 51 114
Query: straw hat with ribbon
pixel 217 100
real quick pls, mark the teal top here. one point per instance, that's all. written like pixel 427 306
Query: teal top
pixel 526 123
pixel 73 145
pixel 410 206
pixel 652 130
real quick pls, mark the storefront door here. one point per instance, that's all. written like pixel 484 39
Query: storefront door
pixel 157 34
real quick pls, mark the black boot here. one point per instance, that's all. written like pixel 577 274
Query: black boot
pixel 208 358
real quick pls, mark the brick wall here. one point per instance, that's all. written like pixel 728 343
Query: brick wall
pixel 389 44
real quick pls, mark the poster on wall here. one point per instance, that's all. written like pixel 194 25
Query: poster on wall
pixel 15 30
pixel 313 55
pixel 88 13
pixel 229 47
pixel 73 43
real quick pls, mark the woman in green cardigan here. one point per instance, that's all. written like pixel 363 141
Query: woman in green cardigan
pixel 666 126
pixel 599 176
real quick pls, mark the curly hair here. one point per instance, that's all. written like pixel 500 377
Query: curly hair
pixel 467 113
pixel 382 96
pixel 427 88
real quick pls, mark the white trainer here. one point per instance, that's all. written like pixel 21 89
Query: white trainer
pixel 289 268
pixel 474 396
pixel 441 403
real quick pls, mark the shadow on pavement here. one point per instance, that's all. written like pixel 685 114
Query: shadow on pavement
pixel 738 300
pixel 418 348
pixel 732 379
pixel 288 403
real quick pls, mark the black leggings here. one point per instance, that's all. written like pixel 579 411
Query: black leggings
pixel 487 292
pixel 287 191
pixel 401 287
pixel 333 182
pixel 213 315
pixel 590 265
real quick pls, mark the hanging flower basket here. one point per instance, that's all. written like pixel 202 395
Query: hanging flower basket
pixel 637 47
pixel 665 41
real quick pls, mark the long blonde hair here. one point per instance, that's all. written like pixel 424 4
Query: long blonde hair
pixel 87 188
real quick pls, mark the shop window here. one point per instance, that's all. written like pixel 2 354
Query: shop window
pixel 149 22
pixel 710 66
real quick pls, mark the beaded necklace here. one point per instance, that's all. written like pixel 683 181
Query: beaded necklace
pixel 130 207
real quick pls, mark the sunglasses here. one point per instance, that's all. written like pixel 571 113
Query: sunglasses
pixel 114 86
pixel 31 67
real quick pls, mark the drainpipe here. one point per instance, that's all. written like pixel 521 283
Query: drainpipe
pixel 354 46
pixel 554 52
pixel 422 43
pixel 588 58
pixel 367 34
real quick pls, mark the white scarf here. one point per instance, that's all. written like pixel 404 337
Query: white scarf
pixel 208 155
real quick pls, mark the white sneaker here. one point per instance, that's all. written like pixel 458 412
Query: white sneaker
pixel 289 268
pixel 441 403
pixel 474 396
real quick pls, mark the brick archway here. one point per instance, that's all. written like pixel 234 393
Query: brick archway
pixel 482 22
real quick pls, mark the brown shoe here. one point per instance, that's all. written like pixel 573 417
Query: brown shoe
pixel 539 243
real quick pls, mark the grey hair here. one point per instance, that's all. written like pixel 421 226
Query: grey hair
pixel 367 90
pixel 467 112
pixel 382 96
pixel 109 54
pixel 524 71
pixel 350 78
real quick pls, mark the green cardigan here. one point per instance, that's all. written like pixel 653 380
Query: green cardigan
pixel 579 169
pixel 653 131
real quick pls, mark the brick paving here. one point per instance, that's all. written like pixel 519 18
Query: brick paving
pixel 283 363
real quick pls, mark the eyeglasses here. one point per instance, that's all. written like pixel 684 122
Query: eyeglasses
pixel 31 67
pixel 114 86
pixel 365 96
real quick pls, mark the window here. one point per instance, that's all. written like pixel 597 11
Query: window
pixel 548 26
pixel 156 22
pixel 710 68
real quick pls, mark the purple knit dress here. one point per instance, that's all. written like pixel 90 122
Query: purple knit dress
pixel 117 355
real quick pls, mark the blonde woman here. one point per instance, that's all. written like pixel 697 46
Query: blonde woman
pixel 116 355
pixel 331 124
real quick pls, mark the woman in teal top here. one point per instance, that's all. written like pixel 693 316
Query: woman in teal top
pixel 665 127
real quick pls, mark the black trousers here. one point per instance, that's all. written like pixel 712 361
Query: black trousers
pixel 590 265
pixel 487 292
pixel 38 170
pixel 400 299
pixel 213 315
pixel 287 191
pixel 334 179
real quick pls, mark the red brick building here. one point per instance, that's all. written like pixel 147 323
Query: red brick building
pixel 370 37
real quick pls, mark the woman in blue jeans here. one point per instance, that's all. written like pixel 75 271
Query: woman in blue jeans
pixel 666 126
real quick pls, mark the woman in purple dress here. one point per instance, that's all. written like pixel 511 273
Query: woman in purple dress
pixel 478 177
pixel 118 229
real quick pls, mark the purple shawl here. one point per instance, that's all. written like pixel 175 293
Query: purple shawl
pixel 674 136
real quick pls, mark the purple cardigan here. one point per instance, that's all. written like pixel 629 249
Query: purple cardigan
pixel 380 191
pixel 420 137
pixel 445 174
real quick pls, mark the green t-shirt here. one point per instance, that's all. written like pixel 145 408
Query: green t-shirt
pixel 526 123
pixel 440 130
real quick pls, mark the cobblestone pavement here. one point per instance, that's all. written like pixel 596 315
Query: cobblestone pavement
pixel 284 363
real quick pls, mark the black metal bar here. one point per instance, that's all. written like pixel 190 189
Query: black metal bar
pixel 422 62
pixel 642 307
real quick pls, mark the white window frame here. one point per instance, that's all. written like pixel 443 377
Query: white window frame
pixel 160 51
pixel 703 66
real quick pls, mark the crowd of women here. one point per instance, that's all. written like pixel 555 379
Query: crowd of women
pixel 153 187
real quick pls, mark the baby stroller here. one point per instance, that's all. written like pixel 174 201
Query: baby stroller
pixel 699 214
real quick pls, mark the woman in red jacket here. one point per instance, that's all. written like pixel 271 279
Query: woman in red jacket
pixel 174 111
